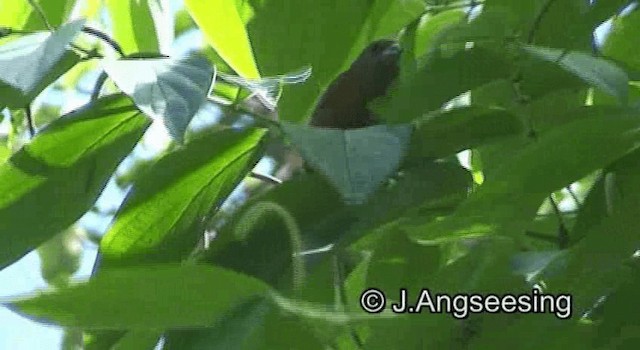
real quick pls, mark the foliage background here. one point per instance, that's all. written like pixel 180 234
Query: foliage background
pixel 541 113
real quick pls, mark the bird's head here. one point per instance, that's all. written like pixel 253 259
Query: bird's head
pixel 377 66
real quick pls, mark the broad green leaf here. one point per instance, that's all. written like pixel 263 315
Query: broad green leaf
pixel 29 64
pixel 440 80
pixel 222 25
pixel 160 218
pixel 620 320
pixel 387 17
pixel 14 14
pixel 5 153
pixel 237 330
pixel 600 73
pixel 56 11
pixel 620 44
pixel 138 340
pixel 433 27
pixel 445 133
pixel 597 265
pixel 182 23
pixel 53 180
pixel 484 269
pixel 133 25
pixel 145 298
pixel 355 161
pixel 506 203
pixel 167 90
pixel 589 273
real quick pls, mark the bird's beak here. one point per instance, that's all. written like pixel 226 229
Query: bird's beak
pixel 392 50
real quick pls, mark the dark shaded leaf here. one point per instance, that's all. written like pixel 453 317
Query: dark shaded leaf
pixel 596 71
pixel 355 161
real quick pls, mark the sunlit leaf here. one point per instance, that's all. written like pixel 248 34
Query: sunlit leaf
pixel 133 25
pixel 160 218
pixel 167 90
pixel 30 63
pixel 224 30
pixel 46 187
pixel 144 298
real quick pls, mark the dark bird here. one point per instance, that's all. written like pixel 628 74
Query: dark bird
pixel 344 103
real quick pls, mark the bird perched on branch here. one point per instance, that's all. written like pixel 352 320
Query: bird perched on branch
pixel 344 103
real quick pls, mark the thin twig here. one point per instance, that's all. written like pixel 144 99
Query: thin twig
pixel 574 196
pixel 266 178
pixel 563 236
pixel 104 37
pixel 30 124
pixel 98 86
pixel 339 279
pixel 543 11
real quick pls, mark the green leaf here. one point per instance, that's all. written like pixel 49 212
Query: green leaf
pixel 432 27
pixel 138 340
pixel 355 161
pixel 14 14
pixel 440 80
pixel 56 11
pixel 160 218
pixel 166 89
pixel 620 44
pixel 133 25
pixel 52 181
pixel 235 331
pixel 145 298
pixel 598 72
pixel 222 25
pixel 506 203
pixel 29 64
pixel 446 133
pixel 620 320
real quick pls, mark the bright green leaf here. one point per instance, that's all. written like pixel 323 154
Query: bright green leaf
pixel 14 14
pixel 159 220
pixel 224 30
pixel 53 180
pixel 133 26
pixel 145 298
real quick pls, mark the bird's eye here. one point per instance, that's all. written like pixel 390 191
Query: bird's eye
pixel 378 47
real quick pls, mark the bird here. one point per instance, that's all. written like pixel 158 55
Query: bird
pixel 344 104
